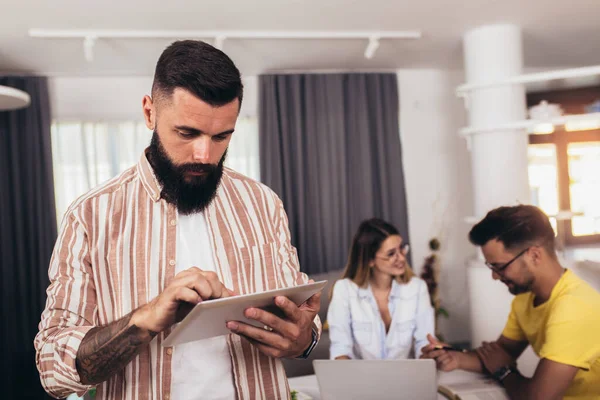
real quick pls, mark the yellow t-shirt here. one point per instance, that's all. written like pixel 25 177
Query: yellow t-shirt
pixel 564 329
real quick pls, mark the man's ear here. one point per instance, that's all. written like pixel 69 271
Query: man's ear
pixel 149 111
pixel 536 254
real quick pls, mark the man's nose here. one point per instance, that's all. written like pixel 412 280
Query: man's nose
pixel 202 149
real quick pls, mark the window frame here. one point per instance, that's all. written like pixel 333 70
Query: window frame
pixel 572 101
pixel 561 139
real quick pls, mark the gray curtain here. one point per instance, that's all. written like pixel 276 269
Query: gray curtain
pixel 330 148
pixel 27 234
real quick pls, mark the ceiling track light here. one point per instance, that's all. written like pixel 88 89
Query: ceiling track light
pixel 88 48
pixel 90 37
pixel 219 42
pixel 372 47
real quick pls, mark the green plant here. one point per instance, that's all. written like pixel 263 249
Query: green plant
pixel 430 274
pixel 294 395
pixel 441 311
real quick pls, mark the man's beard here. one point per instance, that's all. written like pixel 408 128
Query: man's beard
pixel 518 289
pixel 189 193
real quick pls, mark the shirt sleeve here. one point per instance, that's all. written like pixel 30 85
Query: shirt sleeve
pixel 288 256
pixel 340 322
pixel 69 314
pixel 512 329
pixel 425 319
pixel 572 333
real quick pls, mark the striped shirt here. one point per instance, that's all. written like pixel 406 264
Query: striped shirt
pixel 116 252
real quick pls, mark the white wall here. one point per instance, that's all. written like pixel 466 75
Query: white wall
pixel 116 98
pixel 438 183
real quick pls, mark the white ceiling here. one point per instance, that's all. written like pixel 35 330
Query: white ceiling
pixel 556 32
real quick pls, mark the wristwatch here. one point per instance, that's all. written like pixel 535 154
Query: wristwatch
pixel 310 348
pixel 503 372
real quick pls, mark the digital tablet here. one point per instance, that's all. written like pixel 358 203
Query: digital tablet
pixel 208 318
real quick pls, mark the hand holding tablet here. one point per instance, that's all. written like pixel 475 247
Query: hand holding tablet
pixel 209 318
pixel 290 335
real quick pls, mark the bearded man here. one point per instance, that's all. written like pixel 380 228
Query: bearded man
pixel 135 254
pixel 554 311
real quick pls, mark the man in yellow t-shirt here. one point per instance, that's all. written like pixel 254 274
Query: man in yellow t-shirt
pixel 554 311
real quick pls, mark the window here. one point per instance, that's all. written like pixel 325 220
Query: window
pixel 242 154
pixel 85 154
pixel 543 181
pixel 584 187
pixel 564 168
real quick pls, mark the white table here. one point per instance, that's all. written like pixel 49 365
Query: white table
pixel 309 386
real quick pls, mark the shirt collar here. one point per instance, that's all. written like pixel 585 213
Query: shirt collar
pixel 148 177
pixel 365 292
pixel 396 289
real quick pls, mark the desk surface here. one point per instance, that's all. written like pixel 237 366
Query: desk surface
pixel 309 386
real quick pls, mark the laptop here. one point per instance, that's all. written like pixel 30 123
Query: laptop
pixel 376 379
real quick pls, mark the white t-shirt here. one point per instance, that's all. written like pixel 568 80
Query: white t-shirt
pixel 201 369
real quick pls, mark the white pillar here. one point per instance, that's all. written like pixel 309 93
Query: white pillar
pixel 498 159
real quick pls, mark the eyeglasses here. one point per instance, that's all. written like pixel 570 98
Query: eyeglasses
pixel 501 268
pixel 402 250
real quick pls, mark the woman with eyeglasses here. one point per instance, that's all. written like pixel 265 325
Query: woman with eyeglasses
pixel 379 309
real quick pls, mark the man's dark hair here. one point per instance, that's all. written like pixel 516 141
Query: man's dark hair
pixel 199 68
pixel 517 227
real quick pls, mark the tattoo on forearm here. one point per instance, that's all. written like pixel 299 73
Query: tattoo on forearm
pixel 105 350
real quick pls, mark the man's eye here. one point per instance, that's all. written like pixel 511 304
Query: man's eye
pixel 220 138
pixel 185 134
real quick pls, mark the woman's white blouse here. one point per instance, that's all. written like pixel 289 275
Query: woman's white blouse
pixel 357 330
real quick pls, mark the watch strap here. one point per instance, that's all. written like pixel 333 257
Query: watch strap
pixel 501 373
pixel 311 347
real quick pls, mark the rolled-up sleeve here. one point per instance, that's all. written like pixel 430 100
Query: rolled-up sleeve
pixel 425 319
pixel 340 322
pixel 69 314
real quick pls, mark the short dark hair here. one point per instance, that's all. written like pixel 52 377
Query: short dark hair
pixel 200 68
pixel 516 227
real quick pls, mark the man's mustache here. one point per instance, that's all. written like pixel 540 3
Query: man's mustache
pixel 199 168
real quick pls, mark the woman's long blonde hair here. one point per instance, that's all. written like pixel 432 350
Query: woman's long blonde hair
pixel 367 241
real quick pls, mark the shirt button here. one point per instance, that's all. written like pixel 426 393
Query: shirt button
pixel 172 262
pixel 173 222
pixel 169 351
pixel 167 396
